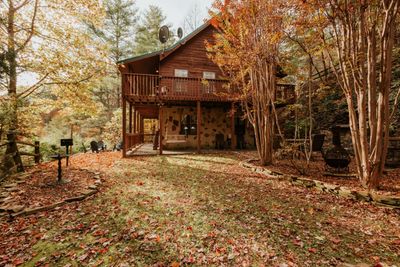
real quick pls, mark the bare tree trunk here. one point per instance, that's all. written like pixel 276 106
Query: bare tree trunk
pixel 358 34
pixel 12 153
pixel 263 92
pixel 308 148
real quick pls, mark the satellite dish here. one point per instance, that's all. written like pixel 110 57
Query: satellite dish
pixel 163 34
pixel 180 33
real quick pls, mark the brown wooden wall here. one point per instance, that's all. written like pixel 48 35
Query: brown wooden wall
pixel 192 56
pixel 144 66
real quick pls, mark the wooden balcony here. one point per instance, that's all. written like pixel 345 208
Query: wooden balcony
pixel 145 88
pixel 155 88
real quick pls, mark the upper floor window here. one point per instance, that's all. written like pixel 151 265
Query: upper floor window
pixel 209 75
pixel 181 73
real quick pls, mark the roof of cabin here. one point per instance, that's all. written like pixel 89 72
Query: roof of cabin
pixel 166 52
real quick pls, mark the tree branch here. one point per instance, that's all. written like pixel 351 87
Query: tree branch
pixel 31 28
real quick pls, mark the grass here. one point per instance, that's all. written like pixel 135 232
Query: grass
pixel 206 210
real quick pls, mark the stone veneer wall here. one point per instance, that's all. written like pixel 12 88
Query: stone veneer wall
pixel 214 121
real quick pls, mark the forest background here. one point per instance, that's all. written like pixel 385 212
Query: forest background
pixel 66 81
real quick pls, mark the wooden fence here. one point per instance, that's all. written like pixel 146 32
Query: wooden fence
pixel 36 149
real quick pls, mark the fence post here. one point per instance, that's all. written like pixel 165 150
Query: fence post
pixel 37 152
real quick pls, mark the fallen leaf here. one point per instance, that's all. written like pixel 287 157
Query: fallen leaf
pixel 312 250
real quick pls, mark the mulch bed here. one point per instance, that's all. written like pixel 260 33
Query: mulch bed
pixel 390 184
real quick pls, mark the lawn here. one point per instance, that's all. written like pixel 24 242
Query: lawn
pixel 200 210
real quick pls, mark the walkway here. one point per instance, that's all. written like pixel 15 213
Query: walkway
pixel 147 150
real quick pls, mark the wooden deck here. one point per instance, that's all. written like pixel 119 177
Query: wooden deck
pixel 150 88
pixel 144 88
pixel 147 150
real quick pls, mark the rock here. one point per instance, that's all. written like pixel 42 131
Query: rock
pixel 3 208
pixel 93 187
pixel 73 199
pixel 15 209
pixel 10 185
pixel 352 265
pixel 307 182
pixel 361 195
pixel 387 200
pixel 344 192
pixel 320 185
pixel 7 200
pixel 12 189
pixel 88 192
pixel 23 176
pixel 45 208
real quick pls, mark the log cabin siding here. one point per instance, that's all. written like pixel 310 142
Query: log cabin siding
pixel 192 56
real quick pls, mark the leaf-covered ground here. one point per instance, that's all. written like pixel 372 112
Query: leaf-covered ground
pixel 201 210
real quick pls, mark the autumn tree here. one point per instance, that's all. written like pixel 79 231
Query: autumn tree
pixel 358 37
pixel 247 49
pixel 112 130
pixel 146 38
pixel 52 51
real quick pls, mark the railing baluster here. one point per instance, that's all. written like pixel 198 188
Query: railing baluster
pixel 185 88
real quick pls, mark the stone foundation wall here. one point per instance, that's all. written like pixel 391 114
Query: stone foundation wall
pixel 214 121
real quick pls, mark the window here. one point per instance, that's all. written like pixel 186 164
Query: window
pixel 188 125
pixel 209 75
pixel 181 73
pixel 180 85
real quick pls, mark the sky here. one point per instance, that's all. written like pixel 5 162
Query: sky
pixel 175 10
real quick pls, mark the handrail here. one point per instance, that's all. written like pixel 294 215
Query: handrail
pixel 173 77
pixel 133 139
pixel 155 87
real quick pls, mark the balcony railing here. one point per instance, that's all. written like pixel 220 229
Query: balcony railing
pixel 132 140
pixel 174 88
pixel 142 86
pixel 154 87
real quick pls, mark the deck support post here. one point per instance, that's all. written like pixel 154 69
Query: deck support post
pixel 161 123
pixel 124 139
pixel 138 123
pixel 135 121
pixel 233 137
pixel 198 127
pixel 130 118
pixel 142 128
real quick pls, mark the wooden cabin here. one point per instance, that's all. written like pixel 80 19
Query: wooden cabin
pixel 188 95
